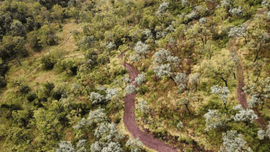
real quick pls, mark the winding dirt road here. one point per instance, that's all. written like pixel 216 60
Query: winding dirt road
pixel 129 118
pixel 241 95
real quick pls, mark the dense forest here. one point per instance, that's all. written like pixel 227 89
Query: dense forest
pixel 134 75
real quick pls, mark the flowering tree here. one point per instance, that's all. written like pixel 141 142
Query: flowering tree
pixel 222 92
pixel 65 146
pixel 233 142
pixel 202 20
pixel 259 91
pixel 214 119
pixel 96 98
pixel 130 89
pixel 264 133
pixel 161 70
pixel 143 107
pixel 140 79
pixel 135 144
pixel 180 125
pixel 162 8
pixel 245 115
pixel 111 93
pixel 185 3
pixel 237 12
pixel 141 48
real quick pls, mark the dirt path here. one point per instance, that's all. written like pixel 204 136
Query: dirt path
pixel 129 119
pixel 240 93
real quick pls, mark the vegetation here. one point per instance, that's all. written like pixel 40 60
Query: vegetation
pixel 68 78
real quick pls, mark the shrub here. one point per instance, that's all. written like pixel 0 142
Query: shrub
pixel 48 62
pixel 31 97
pixel 24 89
pixel 3 82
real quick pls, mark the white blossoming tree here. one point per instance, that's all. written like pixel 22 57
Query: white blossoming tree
pixel 130 89
pixel 232 142
pixel 180 125
pixel 222 92
pixel 264 133
pixel 97 98
pixel 65 146
pixel 214 119
pixel 237 12
pixel 245 115
pixel 143 107
pixel 162 8
pixel 140 79
pixel 135 144
pixel 111 93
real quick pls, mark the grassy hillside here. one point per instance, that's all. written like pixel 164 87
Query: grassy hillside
pixel 203 75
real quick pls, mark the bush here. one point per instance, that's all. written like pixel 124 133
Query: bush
pixel 31 97
pixel 59 92
pixel 3 69
pixel 3 82
pixel 24 89
pixel 48 62
pixel 69 65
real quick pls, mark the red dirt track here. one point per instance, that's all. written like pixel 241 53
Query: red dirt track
pixel 129 119
pixel 242 96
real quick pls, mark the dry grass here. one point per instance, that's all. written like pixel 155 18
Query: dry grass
pixel 31 70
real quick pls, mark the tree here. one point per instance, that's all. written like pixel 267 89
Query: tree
pixel 185 3
pixel 162 8
pixel 75 12
pixel 135 144
pixel 236 32
pixel 186 100
pixel 165 57
pixel 181 78
pixel 81 124
pixel 143 107
pixel 130 89
pixel 45 36
pixel 17 28
pixel 246 115
pixel 112 147
pixel 225 4
pixel 253 101
pixel 57 13
pixel 233 142
pixel 111 93
pixel 140 79
pixel 260 41
pixel 237 12
pixel 202 20
pixel 96 116
pixel 65 146
pixel 259 90
pixel 222 92
pixel 264 133
pixel 141 48
pixel 266 3
pixel 214 119
pixel 220 68
pixel 180 125
pixel 96 98
pixel 163 69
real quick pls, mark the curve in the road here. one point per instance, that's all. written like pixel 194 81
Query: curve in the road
pixel 129 118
